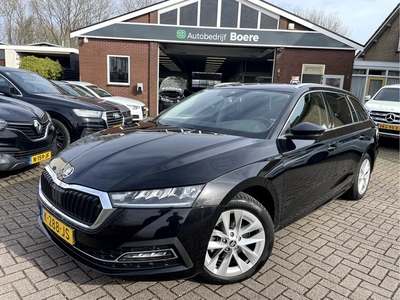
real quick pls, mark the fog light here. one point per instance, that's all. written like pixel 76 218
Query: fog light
pixel 143 256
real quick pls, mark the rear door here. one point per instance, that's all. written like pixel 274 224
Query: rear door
pixel 354 131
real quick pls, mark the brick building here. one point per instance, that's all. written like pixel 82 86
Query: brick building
pixel 208 40
pixel 378 64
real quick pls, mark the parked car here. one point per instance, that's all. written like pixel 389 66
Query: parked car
pixel 172 90
pixel 72 117
pixel 27 135
pixel 237 164
pixel 76 91
pixel 73 90
pixel 384 108
pixel 139 110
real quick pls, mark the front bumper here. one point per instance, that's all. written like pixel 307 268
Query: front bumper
pixel 18 152
pixel 129 241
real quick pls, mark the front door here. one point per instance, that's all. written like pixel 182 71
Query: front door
pixel 309 164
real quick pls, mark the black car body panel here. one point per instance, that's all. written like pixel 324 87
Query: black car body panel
pixel 185 159
pixel 290 168
pixel 29 132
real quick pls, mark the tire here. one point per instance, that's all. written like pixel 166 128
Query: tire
pixel 361 179
pixel 63 136
pixel 232 257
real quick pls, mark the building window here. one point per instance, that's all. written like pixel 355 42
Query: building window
pixel 118 69
pixel 268 22
pixel 359 71
pixel 229 13
pixel 312 73
pixel 188 15
pixel 169 18
pixel 208 13
pixel 333 80
pixel 248 17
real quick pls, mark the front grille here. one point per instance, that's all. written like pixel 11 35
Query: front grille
pixel 76 204
pixel 26 154
pixel 30 130
pixel 114 118
pixel 385 117
pixel 126 113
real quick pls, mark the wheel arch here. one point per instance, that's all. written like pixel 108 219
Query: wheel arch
pixel 62 119
pixel 262 190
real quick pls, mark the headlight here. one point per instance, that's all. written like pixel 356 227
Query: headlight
pixel 3 124
pixel 166 99
pixel 85 113
pixel 48 116
pixel 169 197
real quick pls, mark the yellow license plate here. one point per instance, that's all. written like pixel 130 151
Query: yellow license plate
pixel 389 127
pixel 63 231
pixel 34 159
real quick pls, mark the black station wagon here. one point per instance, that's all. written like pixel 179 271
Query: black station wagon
pixel 203 187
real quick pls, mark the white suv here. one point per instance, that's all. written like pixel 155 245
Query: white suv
pixel 384 109
pixel 138 109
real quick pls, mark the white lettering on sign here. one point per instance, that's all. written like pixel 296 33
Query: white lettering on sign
pixel 244 37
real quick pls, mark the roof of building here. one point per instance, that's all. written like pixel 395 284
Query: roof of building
pixel 257 4
pixel 381 29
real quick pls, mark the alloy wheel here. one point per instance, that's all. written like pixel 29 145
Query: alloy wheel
pixel 236 244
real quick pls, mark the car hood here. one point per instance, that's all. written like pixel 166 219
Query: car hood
pixel 380 105
pixel 123 100
pixel 143 159
pixel 78 102
pixel 18 111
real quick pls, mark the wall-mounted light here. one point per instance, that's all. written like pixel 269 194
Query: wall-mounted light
pixel 278 72
pixel 139 88
pixel 281 49
pixel 85 40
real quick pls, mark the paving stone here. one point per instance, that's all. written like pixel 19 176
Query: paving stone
pixel 344 250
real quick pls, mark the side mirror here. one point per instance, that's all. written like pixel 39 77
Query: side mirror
pixel 367 98
pixel 307 129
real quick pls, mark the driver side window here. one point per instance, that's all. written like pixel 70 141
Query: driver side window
pixel 5 85
pixel 310 108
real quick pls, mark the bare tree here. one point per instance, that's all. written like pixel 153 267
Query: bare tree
pixel 16 22
pixel 131 5
pixel 57 18
pixel 329 21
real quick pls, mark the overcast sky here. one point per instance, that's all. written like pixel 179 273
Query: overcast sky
pixel 363 17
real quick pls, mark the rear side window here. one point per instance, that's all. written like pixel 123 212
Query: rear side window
pixel 359 112
pixel 342 112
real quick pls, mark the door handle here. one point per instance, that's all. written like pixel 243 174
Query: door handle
pixel 361 137
pixel 332 147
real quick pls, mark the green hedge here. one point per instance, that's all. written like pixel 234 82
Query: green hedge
pixel 45 67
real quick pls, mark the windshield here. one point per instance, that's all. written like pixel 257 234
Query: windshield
pixel 243 112
pixel 81 91
pixel 33 83
pixel 99 91
pixel 388 94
